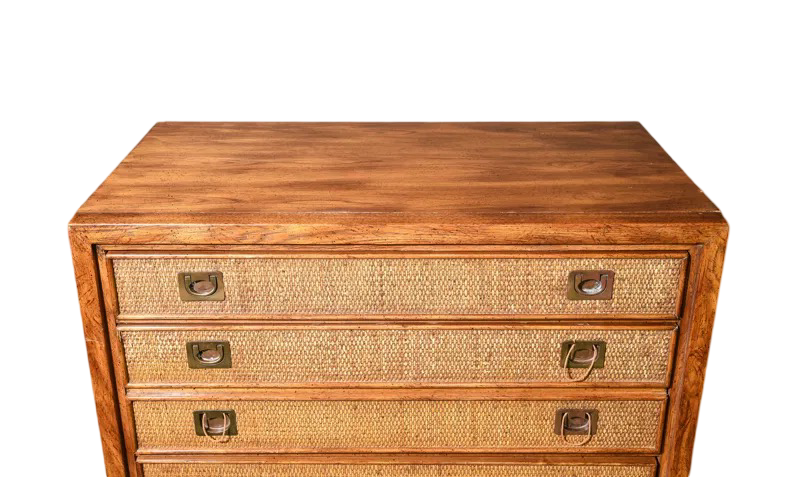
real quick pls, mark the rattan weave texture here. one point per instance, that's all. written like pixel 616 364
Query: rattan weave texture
pixel 378 425
pixel 291 356
pixel 401 470
pixel 326 286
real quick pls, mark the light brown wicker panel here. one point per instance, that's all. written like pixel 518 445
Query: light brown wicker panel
pixel 325 286
pixel 386 425
pixel 384 470
pixel 296 356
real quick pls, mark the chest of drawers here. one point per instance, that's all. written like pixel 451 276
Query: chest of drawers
pixel 361 299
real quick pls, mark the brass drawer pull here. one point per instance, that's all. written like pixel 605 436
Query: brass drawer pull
pixel 582 354
pixel 590 285
pixel 205 286
pixel 576 422
pixel 216 425
pixel 208 354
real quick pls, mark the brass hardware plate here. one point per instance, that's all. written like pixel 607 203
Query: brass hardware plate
pixel 213 415
pixel 208 354
pixel 576 417
pixel 582 354
pixel 590 285
pixel 201 286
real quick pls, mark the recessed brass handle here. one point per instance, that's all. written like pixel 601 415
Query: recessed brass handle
pixel 211 356
pixel 581 423
pixel 216 425
pixel 208 354
pixel 582 354
pixel 590 285
pixel 580 361
pixel 576 422
pixel 201 286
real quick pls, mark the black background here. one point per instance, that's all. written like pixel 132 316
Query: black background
pixel 691 143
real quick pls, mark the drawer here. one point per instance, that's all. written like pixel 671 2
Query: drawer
pixel 355 285
pixel 381 356
pixel 539 469
pixel 361 426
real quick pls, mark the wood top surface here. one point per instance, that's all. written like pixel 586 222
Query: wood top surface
pixel 223 173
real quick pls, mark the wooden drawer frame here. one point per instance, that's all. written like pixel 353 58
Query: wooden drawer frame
pixel 404 459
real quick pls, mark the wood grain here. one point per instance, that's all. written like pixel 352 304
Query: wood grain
pixel 428 169
pixel 608 453
pixel 401 459
pixel 617 461
pixel 430 458
pixel 99 353
pixel 118 361
pixel 443 394
pixel 188 229
pixel 693 348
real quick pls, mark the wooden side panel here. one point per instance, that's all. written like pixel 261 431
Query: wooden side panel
pixel 99 352
pixel 692 355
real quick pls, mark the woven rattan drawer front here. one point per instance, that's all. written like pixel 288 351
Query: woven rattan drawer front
pixel 396 470
pixel 399 426
pixel 331 356
pixel 354 285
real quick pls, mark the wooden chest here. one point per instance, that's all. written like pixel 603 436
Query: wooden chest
pixel 362 299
